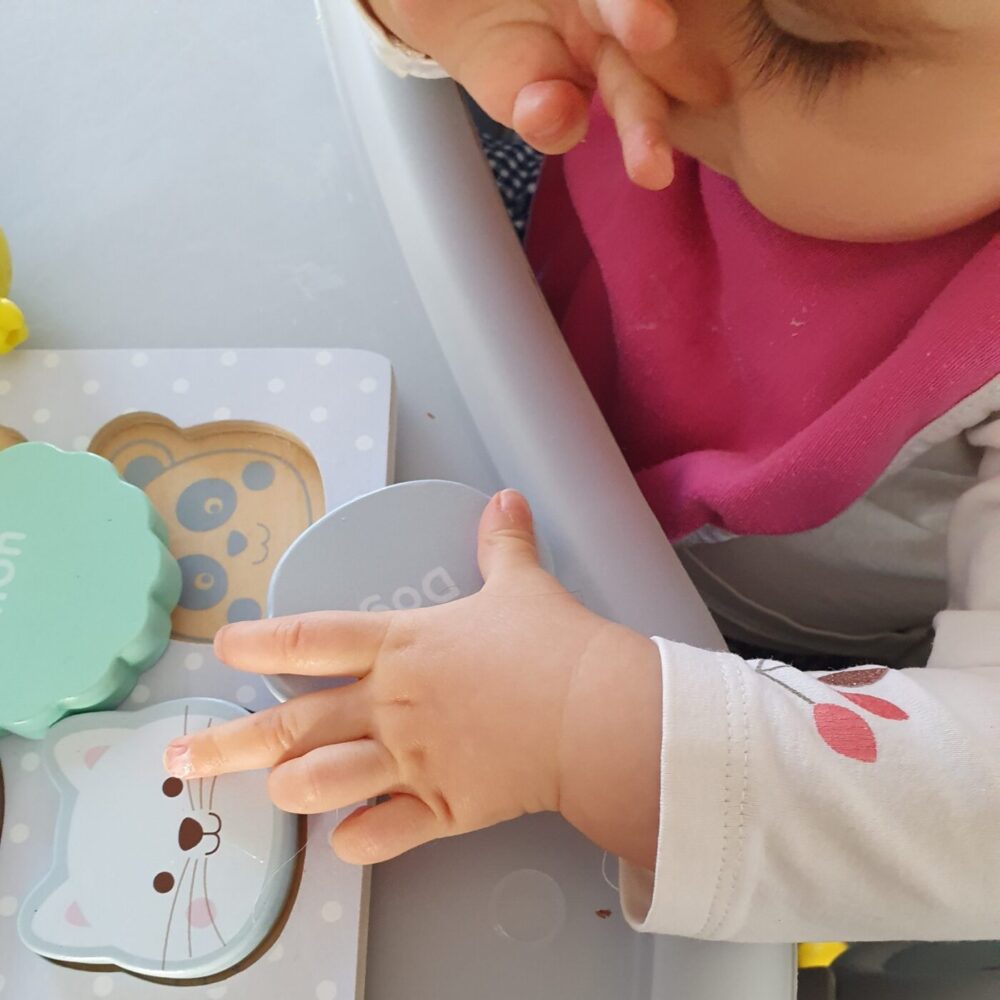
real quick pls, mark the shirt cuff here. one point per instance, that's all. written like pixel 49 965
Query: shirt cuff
pixel 394 53
pixel 704 787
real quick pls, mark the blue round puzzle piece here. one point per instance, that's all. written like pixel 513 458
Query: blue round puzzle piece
pixel 405 546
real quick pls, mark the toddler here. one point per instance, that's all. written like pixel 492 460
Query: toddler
pixel 787 304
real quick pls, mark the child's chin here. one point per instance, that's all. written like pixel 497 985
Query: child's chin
pixel 839 210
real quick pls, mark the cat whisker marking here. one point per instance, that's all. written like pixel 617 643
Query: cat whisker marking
pixel 211 914
pixel 211 793
pixel 170 918
pixel 194 875
pixel 274 875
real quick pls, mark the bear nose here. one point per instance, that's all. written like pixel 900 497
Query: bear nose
pixel 190 834
pixel 236 543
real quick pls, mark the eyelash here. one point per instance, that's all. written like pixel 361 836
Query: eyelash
pixel 777 54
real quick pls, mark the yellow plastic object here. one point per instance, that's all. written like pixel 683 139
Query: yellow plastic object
pixel 821 954
pixel 13 329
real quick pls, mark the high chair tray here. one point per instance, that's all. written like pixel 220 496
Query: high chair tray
pixel 241 173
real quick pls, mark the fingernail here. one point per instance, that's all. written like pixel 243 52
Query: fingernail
pixel 510 501
pixel 665 164
pixel 177 759
pixel 219 640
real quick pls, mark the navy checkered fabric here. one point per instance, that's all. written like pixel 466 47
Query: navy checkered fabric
pixel 516 167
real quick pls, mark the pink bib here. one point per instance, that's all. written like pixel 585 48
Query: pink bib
pixel 756 380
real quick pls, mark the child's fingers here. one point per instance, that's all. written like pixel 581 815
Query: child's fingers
pixel 331 777
pixel 640 26
pixel 640 111
pixel 551 115
pixel 273 736
pixel 326 643
pixel 506 535
pixel 524 76
pixel 378 833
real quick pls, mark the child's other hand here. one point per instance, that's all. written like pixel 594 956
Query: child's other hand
pixel 534 65
pixel 466 714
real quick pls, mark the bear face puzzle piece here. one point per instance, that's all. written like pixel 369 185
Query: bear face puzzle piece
pixel 9 437
pixel 156 876
pixel 234 496
pixel 405 546
pixel 87 586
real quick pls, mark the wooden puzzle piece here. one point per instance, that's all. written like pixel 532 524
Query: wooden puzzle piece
pixel 9 437
pixel 234 496
pixel 158 877
pixel 86 586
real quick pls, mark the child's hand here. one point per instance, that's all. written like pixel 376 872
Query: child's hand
pixel 465 714
pixel 533 65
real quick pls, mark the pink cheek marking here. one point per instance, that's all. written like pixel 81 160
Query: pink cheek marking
pixel 201 912
pixel 74 915
pixel 93 755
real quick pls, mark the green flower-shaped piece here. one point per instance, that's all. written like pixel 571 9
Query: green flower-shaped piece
pixel 87 586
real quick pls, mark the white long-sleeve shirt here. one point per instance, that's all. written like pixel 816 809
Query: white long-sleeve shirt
pixel 767 832
pixel 864 806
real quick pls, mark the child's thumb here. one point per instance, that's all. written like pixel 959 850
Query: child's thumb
pixel 506 535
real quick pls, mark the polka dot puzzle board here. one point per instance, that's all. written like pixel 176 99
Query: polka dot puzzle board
pixel 294 433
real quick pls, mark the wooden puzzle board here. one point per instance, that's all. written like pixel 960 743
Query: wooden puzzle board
pixel 339 403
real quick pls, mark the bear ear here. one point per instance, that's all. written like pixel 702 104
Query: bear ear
pixel 9 437
pixel 140 446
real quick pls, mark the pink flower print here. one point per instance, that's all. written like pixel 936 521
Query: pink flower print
pixel 844 730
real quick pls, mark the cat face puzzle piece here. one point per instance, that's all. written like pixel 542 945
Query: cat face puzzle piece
pixel 86 586
pixel 155 876
pixel 234 496
pixel 405 546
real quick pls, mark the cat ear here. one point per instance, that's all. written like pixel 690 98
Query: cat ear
pixel 79 752
pixel 58 925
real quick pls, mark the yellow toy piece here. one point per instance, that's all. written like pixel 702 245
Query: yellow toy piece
pixel 13 329
pixel 821 954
